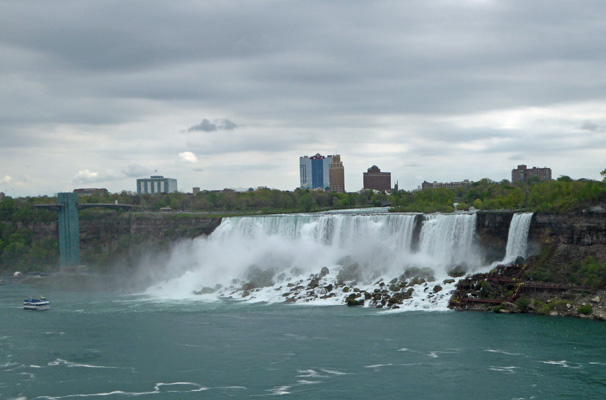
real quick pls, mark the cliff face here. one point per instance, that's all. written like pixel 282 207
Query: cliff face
pixel 118 240
pixel 492 229
pixel 572 234
pixel 571 237
pixel 154 226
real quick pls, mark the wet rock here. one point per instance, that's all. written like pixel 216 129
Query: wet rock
pixel 354 302
pixel 395 287
pixel 426 273
pixel 437 288
pixel 205 290
pixel 448 281
pixel 328 288
pixel 323 272
pixel 416 281
pixel 458 271
pixel 259 277
pixel 350 272
pixel 314 283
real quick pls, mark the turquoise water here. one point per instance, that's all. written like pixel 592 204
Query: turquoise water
pixel 114 347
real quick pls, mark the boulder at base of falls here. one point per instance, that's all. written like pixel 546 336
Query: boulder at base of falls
pixel 258 277
pixel 355 302
pixel 205 290
pixel 352 272
pixel 457 271
pixel 425 273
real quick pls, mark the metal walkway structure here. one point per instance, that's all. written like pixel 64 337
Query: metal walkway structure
pixel 69 225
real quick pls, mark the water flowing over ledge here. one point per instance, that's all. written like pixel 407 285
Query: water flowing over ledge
pixel 399 261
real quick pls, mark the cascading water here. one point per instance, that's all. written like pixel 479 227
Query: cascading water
pixel 449 239
pixel 517 238
pixel 270 258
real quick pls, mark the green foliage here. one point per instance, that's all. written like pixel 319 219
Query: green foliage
pixel 592 273
pixel 523 303
pixel 306 202
pixel 497 309
pixel 586 309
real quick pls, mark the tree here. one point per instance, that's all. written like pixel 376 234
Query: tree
pixel 603 173
pixel 306 202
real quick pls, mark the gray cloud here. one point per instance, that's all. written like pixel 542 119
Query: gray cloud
pixel 217 124
pixel 108 83
pixel 593 127
pixel 135 170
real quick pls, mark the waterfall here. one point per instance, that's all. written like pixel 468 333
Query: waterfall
pixel 449 239
pixel 285 251
pixel 517 238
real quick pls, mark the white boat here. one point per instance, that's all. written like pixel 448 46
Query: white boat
pixel 36 304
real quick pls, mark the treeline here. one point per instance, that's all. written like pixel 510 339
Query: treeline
pixel 253 201
pixel 561 195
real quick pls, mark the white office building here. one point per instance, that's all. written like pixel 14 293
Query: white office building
pixel 156 184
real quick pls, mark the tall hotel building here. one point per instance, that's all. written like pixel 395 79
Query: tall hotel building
pixel 337 175
pixel 315 171
pixel 156 184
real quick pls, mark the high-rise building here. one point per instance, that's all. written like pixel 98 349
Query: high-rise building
pixel 315 171
pixel 374 179
pixel 523 174
pixel 156 184
pixel 305 172
pixel 337 175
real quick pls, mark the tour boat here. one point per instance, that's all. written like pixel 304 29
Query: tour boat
pixel 36 304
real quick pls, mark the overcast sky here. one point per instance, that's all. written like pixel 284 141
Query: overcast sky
pixel 229 94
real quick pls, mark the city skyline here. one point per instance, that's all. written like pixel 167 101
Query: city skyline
pixel 230 94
